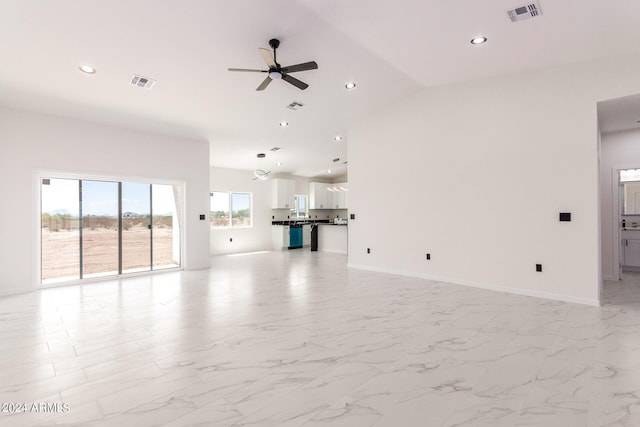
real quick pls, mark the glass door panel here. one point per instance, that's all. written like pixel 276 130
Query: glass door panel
pixel 99 228
pixel 136 227
pixel 165 229
pixel 60 232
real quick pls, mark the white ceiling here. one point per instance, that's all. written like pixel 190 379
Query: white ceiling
pixel 390 49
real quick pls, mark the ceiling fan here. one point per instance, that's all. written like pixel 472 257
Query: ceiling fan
pixel 276 71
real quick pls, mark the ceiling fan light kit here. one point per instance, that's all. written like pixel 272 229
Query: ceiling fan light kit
pixel 278 72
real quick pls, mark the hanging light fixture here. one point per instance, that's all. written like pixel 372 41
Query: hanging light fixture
pixel 261 174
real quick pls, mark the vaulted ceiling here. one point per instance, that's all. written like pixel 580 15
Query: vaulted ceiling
pixel 389 49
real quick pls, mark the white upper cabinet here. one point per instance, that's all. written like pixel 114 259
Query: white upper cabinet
pixel 328 196
pixel 340 195
pixel 319 196
pixel 282 193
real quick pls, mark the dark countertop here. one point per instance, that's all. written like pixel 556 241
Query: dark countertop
pixel 300 222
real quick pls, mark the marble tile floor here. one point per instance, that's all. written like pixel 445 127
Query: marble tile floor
pixel 297 339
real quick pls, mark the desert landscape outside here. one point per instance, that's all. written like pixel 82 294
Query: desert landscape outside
pixel 80 236
pixel 61 246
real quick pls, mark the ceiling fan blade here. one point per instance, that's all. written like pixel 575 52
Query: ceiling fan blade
pixel 264 83
pixel 297 83
pixel 300 67
pixel 247 70
pixel 268 58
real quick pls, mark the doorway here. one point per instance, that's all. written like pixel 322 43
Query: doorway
pixel 619 149
pixel 94 228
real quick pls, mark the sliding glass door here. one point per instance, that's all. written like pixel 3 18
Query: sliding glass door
pixel 95 228
pixel 136 227
pixel 99 232
pixel 60 229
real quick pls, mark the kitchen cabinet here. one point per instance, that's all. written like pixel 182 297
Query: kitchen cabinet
pixel 306 235
pixel 339 195
pixel 280 237
pixel 630 248
pixel 333 238
pixel 282 193
pixel 319 197
pixel 328 196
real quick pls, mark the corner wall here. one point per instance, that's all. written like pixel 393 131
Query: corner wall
pixel 511 153
pixel 31 141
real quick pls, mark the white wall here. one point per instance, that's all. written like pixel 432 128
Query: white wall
pixel 511 153
pixel 30 142
pixel 620 150
pixel 255 238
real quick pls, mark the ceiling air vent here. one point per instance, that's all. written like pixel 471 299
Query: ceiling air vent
pixel 295 105
pixel 142 82
pixel 530 10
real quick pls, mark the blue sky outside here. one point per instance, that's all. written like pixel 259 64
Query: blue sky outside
pixel 100 198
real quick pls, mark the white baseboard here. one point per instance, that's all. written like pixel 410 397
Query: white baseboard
pixel 14 291
pixel 463 282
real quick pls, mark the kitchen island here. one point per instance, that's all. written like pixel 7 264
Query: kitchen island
pixel 332 238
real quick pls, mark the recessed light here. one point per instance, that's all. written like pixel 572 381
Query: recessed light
pixel 278 163
pixel 478 40
pixel 87 69
pixel 329 171
pixel 350 85
pixel 338 138
pixel 284 124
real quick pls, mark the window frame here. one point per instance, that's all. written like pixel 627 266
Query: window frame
pixel 230 204
pixel 295 213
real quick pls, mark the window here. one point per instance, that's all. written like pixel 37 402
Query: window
pixel 240 210
pixel 220 213
pixel 300 208
pixel 230 209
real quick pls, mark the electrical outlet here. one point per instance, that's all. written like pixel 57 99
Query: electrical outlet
pixel 368 250
pixel 352 216
pixel 231 239
pixel 202 217
pixel 538 267
pixel 428 257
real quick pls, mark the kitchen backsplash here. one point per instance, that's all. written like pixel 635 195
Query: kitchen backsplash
pixel 282 214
